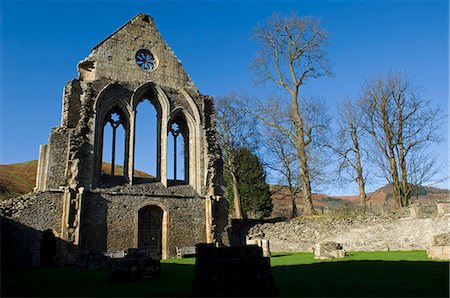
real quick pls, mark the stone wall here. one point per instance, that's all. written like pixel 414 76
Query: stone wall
pixel 110 217
pixel 23 220
pixel 370 233
pixel 88 211
pixel 114 58
pixel 39 211
pixel 56 161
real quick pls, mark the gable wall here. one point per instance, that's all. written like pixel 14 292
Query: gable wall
pixel 114 58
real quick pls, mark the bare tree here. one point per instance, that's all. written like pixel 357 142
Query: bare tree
pixel 402 125
pixel 235 129
pixel 280 156
pixel 425 169
pixel 281 144
pixel 348 147
pixel 292 51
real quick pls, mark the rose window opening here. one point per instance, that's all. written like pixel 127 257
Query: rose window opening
pixel 146 60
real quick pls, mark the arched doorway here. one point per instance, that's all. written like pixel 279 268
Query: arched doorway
pixel 47 250
pixel 150 230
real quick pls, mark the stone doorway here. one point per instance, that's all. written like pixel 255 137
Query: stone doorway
pixel 150 230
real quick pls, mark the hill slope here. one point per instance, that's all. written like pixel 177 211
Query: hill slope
pixel 20 178
pixel 379 201
pixel 17 179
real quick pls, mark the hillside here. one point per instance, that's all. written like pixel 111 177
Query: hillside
pixel 17 179
pixel 20 178
pixel 379 201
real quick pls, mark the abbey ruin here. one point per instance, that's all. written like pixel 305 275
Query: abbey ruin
pixel 88 209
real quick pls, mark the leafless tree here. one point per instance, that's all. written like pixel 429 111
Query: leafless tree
pixel 348 148
pixel 280 141
pixel 425 169
pixel 280 155
pixel 402 125
pixel 291 52
pixel 235 129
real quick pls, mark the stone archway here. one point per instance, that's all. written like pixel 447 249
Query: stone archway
pixel 151 231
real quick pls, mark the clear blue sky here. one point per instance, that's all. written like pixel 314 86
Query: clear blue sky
pixel 42 42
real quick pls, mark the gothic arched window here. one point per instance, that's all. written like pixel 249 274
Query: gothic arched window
pixel 178 150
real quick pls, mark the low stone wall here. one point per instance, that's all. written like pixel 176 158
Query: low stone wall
pixel 370 233
pixel 39 211
pixel 23 222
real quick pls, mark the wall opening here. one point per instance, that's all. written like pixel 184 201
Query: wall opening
pixel 150 230
pixel 178 151
pixel 114 157
pixel 47 250
pixel 146 141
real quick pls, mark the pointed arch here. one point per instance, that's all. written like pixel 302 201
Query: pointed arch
pixel 178 141
pixel 161 103
pixel 194 122
pixel 113 98
pixel 193 147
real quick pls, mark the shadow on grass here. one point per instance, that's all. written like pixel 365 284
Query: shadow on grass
pixel 321 279
pixel 175 281
pixel 279 255
pixel 364 279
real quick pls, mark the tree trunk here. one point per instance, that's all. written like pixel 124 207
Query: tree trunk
pixel 301 152
pixel 294 212
pixel 362 195
pixel 406 190
pixel 236 197
pixel 390 143
pixel 359 170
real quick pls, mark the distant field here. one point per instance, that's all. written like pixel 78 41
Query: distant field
pixel 361 274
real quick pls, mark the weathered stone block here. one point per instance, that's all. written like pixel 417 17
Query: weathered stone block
pixel 440 247
pixel 328 250
pixel 443 209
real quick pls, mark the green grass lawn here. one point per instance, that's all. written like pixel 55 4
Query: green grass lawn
pixel 361 274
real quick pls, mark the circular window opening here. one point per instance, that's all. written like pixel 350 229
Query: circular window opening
pixel 146 60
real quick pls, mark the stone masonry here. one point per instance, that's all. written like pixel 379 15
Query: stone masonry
pixel 363 233
pixel 90 210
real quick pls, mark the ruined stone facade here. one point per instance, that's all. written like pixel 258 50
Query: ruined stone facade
pixel 108 212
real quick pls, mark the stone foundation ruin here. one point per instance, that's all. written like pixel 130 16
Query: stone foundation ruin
pixel 87 208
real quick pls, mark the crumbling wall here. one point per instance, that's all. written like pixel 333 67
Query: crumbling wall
pixel 214 175
pixel 71 104
pixel 57 157
pixel 110 220
pixel 110 77
pixel 114 58
pixel 23 220
pixel 367 233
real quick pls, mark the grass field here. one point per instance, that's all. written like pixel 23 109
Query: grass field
pixel 361 274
